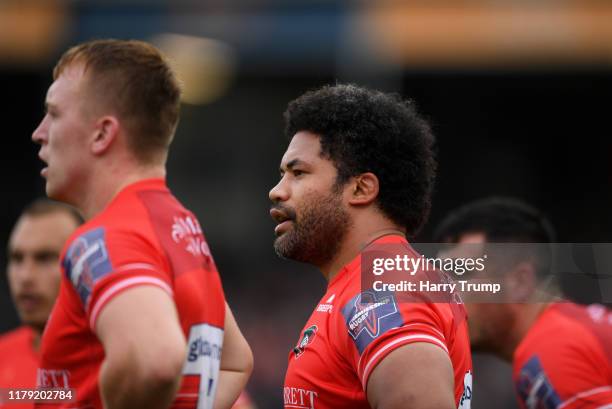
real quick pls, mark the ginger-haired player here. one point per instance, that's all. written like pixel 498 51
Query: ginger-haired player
pixel 141 319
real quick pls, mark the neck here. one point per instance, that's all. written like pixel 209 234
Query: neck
pixel 36 338
pixel 360 234
pixel 107 183
pixel 525 316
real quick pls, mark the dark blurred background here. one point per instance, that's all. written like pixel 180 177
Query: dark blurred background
pixel 518 93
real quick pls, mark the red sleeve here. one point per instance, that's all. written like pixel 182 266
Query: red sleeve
pixel 101 264
pixel 376 323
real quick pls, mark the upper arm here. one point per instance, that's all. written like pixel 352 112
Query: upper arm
pixel 131 324
pixel 407 342
pixel 414 376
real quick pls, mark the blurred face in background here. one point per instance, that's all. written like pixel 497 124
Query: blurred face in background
pixel 307 204
pixel 33 263
pixel 489 324
pixel 63 134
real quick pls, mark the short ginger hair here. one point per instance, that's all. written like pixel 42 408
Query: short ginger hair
pixel 135 80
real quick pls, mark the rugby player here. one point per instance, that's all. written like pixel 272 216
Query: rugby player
pixel 358 172
pixel 141 319
pixel 561 352
pixel 33 275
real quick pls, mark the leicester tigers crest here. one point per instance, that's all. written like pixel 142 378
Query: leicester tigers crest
pixel 307 338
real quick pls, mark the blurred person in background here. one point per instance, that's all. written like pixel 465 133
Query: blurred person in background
pixel 33 273
pixel 358 172
pixel 561 352
pixel 141 318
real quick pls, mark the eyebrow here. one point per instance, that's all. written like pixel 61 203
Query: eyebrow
pixel 291 164
pixel 37 253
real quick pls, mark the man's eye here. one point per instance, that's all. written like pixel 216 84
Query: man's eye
pixel 49 257
pixel 297 172
pixel 15 257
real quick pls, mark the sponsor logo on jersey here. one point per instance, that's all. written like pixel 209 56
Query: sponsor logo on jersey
pixel 369 315
pixel 87 261
pixel 307 338
pixel 188 231
pixel 325 308
pixel 534 387
pixel 201 347
pixel 466 398
pixel 299 398
pixel 327 305
pixel 205 344
pixel 203 362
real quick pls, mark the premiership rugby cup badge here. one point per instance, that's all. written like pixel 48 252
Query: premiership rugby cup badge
pixel 307 338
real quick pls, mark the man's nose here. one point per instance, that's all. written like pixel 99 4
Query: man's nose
pixel 280 192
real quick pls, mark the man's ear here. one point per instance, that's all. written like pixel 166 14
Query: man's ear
pixel 105 133
pixel 363 189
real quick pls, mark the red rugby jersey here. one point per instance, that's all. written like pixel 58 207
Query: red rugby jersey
pixel 345 338
pixel 18 363
pixel 143 237
pixel 565 360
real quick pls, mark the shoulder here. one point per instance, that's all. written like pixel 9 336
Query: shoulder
pixel 562 353
pixel 368 314
pixel 15 339
pixel 566 326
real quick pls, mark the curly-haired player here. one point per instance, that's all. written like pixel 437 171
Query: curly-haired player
pixel 359 172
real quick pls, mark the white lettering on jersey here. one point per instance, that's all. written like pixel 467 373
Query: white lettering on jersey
pixel 188 230
pixel 299 398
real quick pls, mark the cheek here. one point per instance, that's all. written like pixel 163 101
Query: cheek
pixel 13 279
pixel 309 196
pixel 65 137
pixel 475 315
pixel 49 281
pixel 472 312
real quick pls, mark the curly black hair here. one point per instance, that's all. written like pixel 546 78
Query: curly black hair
pixel 363 130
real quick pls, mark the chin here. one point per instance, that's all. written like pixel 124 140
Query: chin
pixel 55 194
pixel 32 321
pixel 279 245
pixel 285 247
